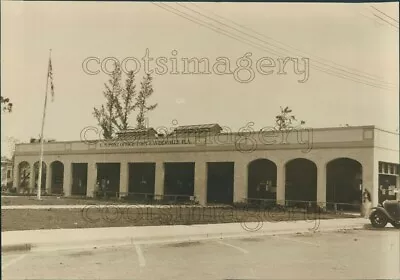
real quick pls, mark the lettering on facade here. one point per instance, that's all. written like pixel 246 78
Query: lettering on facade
pixel 145 143
pixel 243 141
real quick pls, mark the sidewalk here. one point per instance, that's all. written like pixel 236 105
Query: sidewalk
pixel 44 240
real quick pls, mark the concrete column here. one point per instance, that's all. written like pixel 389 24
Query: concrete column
pixel 123 179
pixel 398 187
pixel 32 177
pixel 321 185
pixel 48 178
pixel 91 179
pixel 240 182
pixel 67 181
pixel 280 184
pixel 200 182
pixel 375 183
pixel 159 180
pixel 16 176
pixel 370 183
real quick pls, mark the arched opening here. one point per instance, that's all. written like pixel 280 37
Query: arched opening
pixel 57 177
pixel 301 182
pixel 24 175
pixel 344 183
pixel 261 180
pixel 36 174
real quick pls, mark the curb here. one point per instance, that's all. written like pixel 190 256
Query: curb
pixel 16 248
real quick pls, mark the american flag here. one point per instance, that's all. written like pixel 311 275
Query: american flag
pixel 50 76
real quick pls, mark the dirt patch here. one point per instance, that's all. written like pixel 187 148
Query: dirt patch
pixel 346 231
pixel 306 234
pixel 184 244
pixel 80 254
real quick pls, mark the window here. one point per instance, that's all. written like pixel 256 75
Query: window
pixel 8 174
pixel 380 167
pixel 385 168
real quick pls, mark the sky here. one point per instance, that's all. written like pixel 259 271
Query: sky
pixel 352 54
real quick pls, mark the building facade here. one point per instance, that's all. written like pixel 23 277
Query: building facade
pixel 205 163
pixel 6 171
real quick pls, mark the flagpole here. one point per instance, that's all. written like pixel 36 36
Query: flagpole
pixel 41 134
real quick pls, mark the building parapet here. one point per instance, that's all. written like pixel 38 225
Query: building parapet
pixel 244 140
pixel 386 139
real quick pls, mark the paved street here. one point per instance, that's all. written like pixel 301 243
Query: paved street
pixel 350 254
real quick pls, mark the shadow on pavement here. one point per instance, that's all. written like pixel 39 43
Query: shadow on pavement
pixel 387 228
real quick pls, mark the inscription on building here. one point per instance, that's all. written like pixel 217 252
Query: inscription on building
pixel 146 143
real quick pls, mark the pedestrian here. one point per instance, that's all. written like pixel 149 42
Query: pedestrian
pixel 97 188
pixel 366 203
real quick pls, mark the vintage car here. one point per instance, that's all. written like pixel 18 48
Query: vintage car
pixel 387 212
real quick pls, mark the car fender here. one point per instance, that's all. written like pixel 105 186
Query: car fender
pixel 382 210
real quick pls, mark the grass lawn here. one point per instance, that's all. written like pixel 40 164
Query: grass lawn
pixel 93 216
pixel 53 200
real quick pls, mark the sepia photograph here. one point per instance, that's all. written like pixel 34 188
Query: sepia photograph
pixel 200 140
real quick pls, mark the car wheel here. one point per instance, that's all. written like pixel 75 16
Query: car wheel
pixel 378 219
